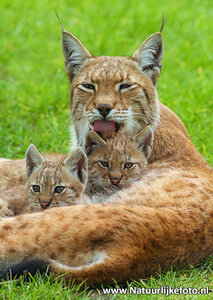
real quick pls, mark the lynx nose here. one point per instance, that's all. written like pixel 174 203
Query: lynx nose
pixel 104 109
pixel 45 204
pixel 115 180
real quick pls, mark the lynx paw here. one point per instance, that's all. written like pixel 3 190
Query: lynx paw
pixel 4 210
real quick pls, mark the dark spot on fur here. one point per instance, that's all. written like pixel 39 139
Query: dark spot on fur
pixel 61 249
pixel 53 256
pixel 7 227
pixel 33 251
pixel 147 225
pixel 203 240
pixel 180 214
pixel 24 225
pixel 154 244
pixel 36 238
pixel 11 250
pixel 101 241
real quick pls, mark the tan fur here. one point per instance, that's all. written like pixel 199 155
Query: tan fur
pixel 163 220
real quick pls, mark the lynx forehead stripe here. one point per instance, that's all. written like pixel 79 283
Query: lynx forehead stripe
pixel 104 126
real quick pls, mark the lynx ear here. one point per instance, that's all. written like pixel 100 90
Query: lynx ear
pixel 74 52
pixel 150 55
pixel 144 140
pixel 77 164
pixel 93 141
pixel 33 159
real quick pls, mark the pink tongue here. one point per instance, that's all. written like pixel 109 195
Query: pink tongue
pixel 100 125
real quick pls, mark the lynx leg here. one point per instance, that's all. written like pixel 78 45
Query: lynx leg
pixel 99 243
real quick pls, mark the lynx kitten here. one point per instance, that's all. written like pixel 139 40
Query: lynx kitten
pixel 48 184
pixel 116 161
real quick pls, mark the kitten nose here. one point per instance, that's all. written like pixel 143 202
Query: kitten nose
pixel 45 204
pixel 115 180
pixel 104 109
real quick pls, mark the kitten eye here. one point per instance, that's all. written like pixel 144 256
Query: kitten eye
pixel 89 86
pixel 104 164
pixel 124 86
pixel 36 188
pixel 129 165
pixel 59 189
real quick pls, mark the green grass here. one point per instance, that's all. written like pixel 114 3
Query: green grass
pixel 34 90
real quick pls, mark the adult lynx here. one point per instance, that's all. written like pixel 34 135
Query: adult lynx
pixel 119 94
pixel 163 220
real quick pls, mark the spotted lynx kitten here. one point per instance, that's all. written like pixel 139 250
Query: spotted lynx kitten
pixel 115 161
pixel 48 184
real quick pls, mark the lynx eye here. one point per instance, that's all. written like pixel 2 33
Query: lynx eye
pixel 59 189
pixel 104 164
pixel 36 188
pixel 129 165
pixel 124 86
pixel 88 86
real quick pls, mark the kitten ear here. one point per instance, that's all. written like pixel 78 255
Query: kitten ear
pixel 150 55
pixel 75 53
pixel 77 164
pixel 33 159
pixel 93 141
pixel 144 140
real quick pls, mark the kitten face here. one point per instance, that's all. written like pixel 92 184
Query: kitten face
pixel 51 185
pixel 114 163
pixel 116 169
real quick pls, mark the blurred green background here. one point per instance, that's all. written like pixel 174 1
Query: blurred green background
pixel 34 90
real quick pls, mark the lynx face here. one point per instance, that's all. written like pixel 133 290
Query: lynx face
pixel 115 94
pixel 53 184
pixel 116 161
